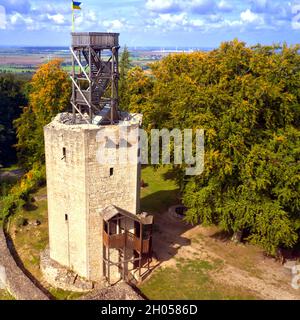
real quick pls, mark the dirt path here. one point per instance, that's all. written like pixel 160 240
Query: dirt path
pixel 242 265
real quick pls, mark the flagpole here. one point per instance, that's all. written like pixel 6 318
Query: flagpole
pixel 73 19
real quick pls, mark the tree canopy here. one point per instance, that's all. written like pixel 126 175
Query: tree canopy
pixel 49 94
pixel 247 99
pixel 123 83
pixel 12 98
pixel 248 102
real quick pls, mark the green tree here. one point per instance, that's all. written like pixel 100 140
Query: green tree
pixel 12 98
pixel 139 88
pixel 248 102
pixel 49 94
pixel 123 85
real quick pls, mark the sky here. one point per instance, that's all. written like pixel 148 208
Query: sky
pixel 161 23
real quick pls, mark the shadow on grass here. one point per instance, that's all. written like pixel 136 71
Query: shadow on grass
pixel 222 236
pixel 171 174
pixel 30 207
pixel 167 230
pixel 159 201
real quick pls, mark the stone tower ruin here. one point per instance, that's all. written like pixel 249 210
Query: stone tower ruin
pixel 93 173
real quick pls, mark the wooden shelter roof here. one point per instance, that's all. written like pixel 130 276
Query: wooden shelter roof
pixel 111 211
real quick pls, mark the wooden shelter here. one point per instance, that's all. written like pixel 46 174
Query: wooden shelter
pixel 131 236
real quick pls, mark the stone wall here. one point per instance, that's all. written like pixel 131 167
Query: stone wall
pixel 120 189
pixel 17 283
pixel 60 277
pixel 120 291
pixel 67 210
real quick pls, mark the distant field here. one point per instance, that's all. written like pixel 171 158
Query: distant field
pixel 16 69
pixel 24 61
pixel 27 60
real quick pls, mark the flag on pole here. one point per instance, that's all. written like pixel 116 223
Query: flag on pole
pixel 76 5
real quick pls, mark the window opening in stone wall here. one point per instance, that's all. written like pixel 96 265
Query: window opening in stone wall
pixel 64 151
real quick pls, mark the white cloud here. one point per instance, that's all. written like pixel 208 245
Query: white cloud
pixel 168 21
pixel 250 17
pixel 158 15
pixel 91 16
pixel 225 6
pixel 57 18
pixel 2 18
pixel 202 6
pixel 113 25
pixel 163 6
pixel 190 21
pixel 215 18
pixel 17 19
pixel 49 8
pixel 86 20
pixel 197 23
pixel 296 17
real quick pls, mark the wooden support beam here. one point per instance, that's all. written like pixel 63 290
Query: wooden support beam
pixel 118 263
pixel 141 245
pixel 80 65
pixel 81 93
pixel 90 84
pixel 108 256
pixel 79 111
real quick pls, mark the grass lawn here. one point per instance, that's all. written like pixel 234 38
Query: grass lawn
pixel 191 280
pixel 64 295
pixel 5 295
pixel 161 192
pixel 29 239
pixel 7 179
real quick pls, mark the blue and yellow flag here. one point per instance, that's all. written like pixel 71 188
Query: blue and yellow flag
pixel 76 5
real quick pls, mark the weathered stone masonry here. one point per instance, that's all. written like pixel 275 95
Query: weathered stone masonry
pixel 79 188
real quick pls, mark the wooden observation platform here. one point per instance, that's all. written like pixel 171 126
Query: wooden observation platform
pixel 95 75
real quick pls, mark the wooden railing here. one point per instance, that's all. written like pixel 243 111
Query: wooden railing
pixel 106 40
pixel 146 246
pixel 115 241
pixel 105 239
pixel 128 239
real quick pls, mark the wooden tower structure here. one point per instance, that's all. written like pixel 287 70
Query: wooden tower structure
pixel 95 75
